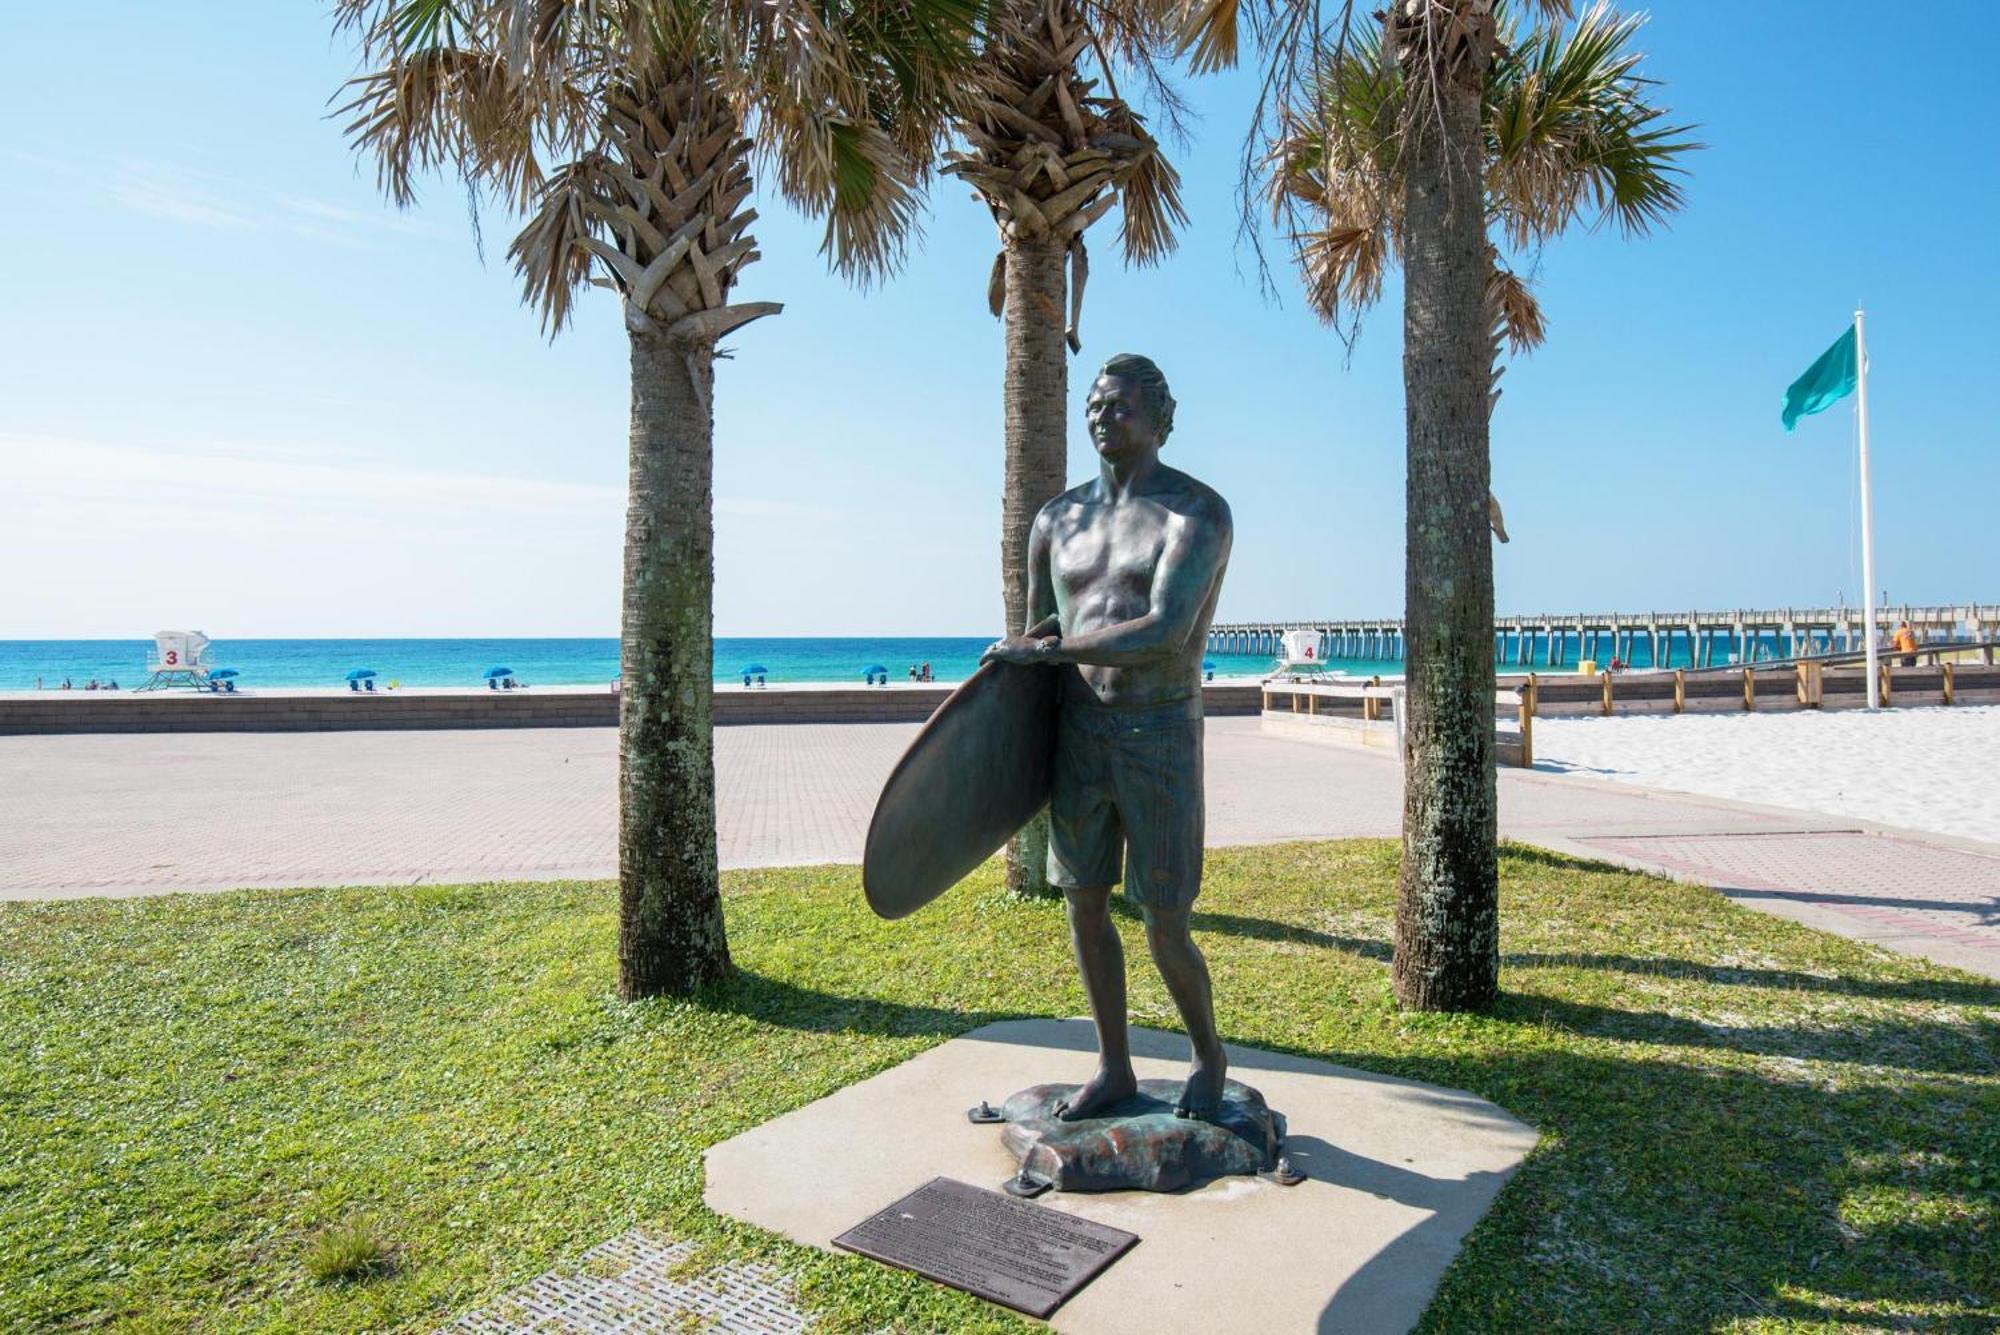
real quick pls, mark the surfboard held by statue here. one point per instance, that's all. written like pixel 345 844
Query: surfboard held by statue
pixel 976 773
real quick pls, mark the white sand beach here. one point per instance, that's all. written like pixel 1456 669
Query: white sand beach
pixel 1933 769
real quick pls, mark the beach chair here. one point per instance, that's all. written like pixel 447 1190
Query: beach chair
pixel 177 661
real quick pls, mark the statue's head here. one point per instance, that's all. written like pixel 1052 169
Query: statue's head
pixel 1129 407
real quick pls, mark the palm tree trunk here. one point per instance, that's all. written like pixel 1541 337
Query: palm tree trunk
pixel 670 929
pixel 1447 895
pixel 1037 402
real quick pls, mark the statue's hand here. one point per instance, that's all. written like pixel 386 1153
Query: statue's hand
pixel 1018 649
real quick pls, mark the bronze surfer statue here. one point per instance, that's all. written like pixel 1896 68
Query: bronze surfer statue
pixel 1124 572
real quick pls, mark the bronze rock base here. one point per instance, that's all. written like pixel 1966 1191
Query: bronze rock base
pixel 1139 1144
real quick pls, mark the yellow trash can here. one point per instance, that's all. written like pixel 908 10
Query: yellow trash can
pixel 1586 667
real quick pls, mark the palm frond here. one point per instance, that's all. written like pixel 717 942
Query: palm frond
pixel 552 254
pixel 1334 165
pixel 858 179
pixel 1210 34
pixel 1571 135
pixel 1050 154
pixel 1570 131
pixel 1517 316
pixel 1149 187
pixel 1150 199
pixel 646 103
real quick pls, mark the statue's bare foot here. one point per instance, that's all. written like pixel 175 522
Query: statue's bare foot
pixel 1105 1088
pixel 1201 1097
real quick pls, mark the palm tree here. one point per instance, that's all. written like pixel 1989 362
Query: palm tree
pixel 1562 130
pixel 627 131
pixel 1409 146
pixel 1570 136
pixel 1049 157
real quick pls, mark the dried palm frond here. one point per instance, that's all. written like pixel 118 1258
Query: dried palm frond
pixel 1049 155
pixel 657 111
pixel 1517 316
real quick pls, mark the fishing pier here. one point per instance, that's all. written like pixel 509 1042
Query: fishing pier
pixel 1638 639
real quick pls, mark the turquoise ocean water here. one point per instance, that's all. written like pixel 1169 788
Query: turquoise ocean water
pixel 281 664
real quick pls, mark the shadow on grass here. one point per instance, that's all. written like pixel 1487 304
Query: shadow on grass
pixel 1263 929
pixel 789 1006
pixel 1911 1045
pixel 1673 1196
pixel 1942 991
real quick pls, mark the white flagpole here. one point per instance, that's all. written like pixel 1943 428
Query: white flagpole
pixel 1867 514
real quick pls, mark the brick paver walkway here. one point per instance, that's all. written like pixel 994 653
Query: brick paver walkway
pixel 146 814
pixel 1897 891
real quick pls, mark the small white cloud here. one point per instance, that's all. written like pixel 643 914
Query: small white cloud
pixel 205 199
pixel 248 486
pixel 760 507
pixel 382 220
pixel 158 192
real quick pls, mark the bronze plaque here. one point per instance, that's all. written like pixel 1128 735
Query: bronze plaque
pixel 1020 1255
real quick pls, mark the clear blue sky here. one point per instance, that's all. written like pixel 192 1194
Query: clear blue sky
pixel 238 391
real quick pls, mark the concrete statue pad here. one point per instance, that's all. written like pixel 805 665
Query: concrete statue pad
pixel 1397 1173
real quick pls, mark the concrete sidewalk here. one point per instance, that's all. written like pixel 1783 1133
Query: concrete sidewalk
pixel 155 813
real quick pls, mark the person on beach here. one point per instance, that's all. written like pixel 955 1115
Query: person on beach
pixel 1906 643
pixel 1123 576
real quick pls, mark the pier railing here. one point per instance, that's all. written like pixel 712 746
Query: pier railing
pixel 1656 639
pixel 1370 713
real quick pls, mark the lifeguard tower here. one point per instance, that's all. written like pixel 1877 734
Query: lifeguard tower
pixel 1299 656
pixel 178 660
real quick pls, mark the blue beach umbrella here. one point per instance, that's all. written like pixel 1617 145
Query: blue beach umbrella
pixel 874 668
pixel 755 670
pixel 1208 665
pixel 361 674
pixel 221 673
pixel 496 672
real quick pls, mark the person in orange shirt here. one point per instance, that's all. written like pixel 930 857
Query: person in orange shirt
pixel 1906 643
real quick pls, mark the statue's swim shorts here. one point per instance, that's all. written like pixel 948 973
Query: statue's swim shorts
pixel 1128 778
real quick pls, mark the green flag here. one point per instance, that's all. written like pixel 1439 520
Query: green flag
pixel 1825 383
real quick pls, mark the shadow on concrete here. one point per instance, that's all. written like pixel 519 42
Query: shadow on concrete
pixel 1388 1281
pixel 1987 912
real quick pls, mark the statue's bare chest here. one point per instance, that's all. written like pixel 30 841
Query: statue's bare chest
pixel 1104 550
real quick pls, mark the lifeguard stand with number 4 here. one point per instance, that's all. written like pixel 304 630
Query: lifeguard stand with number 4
pixel 178 660
pixel 1299 656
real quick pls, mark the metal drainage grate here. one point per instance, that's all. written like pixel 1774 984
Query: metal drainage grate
pixel 626 1286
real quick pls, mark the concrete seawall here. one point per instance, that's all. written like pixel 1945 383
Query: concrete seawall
pixel 120 711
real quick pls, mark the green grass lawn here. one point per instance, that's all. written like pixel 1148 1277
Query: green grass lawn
pixel 216 1109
